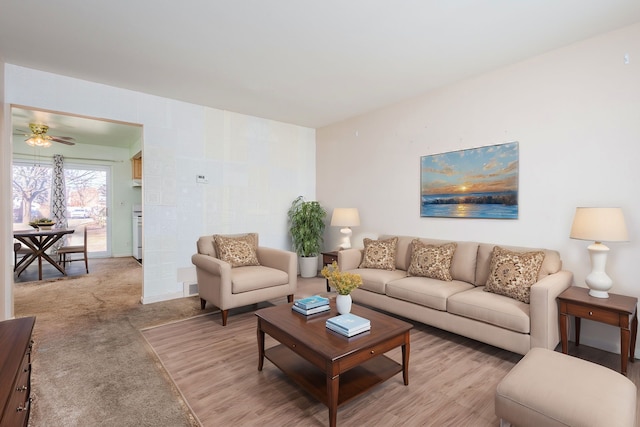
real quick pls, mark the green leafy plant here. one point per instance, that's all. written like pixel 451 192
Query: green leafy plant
pixel 306 225
pixel 342 282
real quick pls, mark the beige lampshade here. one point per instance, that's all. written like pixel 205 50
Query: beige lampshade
pixel 345 217
pixel 599 225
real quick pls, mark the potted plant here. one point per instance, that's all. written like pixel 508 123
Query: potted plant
pixel 306 225
pixel 343 283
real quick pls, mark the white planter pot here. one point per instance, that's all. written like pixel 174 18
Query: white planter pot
pixel 343 303
pixel 308 266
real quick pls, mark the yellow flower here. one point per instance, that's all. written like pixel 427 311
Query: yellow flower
pixel 342 282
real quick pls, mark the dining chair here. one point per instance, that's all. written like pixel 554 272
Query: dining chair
pixel 19 251
pixel 63 251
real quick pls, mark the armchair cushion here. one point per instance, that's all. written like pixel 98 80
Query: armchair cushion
pixel 237 251
pixel 250 278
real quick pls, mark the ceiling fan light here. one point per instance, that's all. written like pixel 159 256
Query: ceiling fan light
pixel 38 141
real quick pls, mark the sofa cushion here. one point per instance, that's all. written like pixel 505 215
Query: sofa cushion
pixel 206 244
pixel 432 293
pixel 376 280
pixel 250 278
pixel 463 264
pixel 237 251
pixel 403 250
pixel 431 261
pixel 379 254
pixel 513 273
pixel 490 308
pixel 551 264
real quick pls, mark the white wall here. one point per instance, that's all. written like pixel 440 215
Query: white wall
pixel 255 168
pixel 576 114
pixel 6 238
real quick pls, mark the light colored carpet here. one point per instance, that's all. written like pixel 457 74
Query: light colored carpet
pixel 91 366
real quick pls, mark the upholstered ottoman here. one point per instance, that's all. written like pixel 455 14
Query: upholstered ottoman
pixel 547 388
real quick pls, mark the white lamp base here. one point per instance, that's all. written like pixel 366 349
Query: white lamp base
pixel 346 240
pixel 597 280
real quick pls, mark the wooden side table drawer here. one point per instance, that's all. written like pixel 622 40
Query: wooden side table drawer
pixel 593 313
pixel 15 378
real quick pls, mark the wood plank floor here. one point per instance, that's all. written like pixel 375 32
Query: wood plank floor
pixel 452 379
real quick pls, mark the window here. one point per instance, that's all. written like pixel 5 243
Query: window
pixel 87 200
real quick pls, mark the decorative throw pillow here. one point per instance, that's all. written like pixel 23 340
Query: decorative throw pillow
pixel 380 254
pixel 431 260
pixel 513 273
pixel 237 251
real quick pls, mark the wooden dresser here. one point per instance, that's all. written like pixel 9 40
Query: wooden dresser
pixel 15 371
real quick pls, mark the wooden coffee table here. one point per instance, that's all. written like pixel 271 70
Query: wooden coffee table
pixel 332 368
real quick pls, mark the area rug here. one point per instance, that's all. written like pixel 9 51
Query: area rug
pixel 452 379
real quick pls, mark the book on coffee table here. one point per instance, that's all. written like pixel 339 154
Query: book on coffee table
pixel 311 302
pixel 351 333
pixel 348 323
pixel 310 311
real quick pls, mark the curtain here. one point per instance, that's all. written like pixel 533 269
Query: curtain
pixel 58 196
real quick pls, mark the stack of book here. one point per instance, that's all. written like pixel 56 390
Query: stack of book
pixel 311 305
pixel 348 324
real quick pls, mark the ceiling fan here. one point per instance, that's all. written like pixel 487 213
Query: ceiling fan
pixel 39 138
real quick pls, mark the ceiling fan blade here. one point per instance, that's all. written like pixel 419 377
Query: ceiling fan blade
pixel 62 141
pixel 66 138
pixel 21 132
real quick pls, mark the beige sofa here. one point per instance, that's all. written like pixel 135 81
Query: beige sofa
pixel 462 306
pixel 229 287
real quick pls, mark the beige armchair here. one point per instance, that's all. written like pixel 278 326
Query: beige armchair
pixel 229 287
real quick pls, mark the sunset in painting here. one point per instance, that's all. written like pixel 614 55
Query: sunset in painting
pixel 475 183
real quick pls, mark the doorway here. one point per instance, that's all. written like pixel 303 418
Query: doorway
pixel 98 175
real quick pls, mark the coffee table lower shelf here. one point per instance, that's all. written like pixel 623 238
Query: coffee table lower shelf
pixel 353 383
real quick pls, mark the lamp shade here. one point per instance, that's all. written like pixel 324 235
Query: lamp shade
pixel 599 225
pixel 345 217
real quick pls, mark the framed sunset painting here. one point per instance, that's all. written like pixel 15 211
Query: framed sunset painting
pixel 474 183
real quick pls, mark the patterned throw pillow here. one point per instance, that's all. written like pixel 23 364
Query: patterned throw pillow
pixel 513 273
pixel 431 260
pixel 380 254
pixel 237 251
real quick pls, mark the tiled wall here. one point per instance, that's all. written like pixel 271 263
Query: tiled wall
pixel 255 168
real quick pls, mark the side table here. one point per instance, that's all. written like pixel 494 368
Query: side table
pixel 617 310
pixel 327 259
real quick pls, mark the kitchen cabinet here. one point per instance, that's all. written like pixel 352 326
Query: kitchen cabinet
pixel 137 167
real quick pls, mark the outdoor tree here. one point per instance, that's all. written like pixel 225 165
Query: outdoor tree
pixel 81 185
pixel 31 184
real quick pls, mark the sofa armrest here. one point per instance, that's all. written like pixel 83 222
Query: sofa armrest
pixel 349 259
pixel 543 310
pixel 213 275
pixel 279 259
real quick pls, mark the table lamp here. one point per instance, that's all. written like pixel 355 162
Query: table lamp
pixel 346 218
pixel 599 224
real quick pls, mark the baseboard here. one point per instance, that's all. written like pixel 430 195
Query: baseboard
pixel 163 297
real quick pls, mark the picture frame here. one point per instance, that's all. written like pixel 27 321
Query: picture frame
pixel 472 183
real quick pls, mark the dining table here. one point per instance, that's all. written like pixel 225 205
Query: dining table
pixel 39 241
